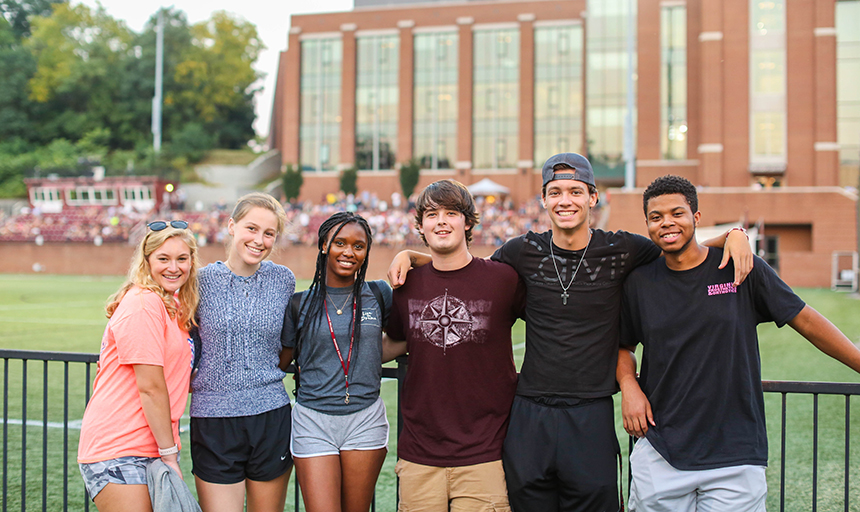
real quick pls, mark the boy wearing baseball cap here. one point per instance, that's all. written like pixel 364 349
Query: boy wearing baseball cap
pixel 561 452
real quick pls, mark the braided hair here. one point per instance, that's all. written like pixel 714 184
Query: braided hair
pixel 313 306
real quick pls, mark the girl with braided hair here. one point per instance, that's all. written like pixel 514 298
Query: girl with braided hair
pixel 340 429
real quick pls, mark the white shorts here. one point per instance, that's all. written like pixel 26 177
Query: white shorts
pixel 657 486
pixel 315 433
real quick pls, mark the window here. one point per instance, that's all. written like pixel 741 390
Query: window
pixel 320 117
pixel 376 101
pixel 673 82
pixel 434 139
pixel 558 97
pixel 495 102
pixel 606 87
pixel 767 86
pixel 848 91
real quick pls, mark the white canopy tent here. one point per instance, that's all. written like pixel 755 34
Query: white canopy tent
pixel 488 187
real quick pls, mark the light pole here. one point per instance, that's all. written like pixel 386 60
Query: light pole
pixel 159 83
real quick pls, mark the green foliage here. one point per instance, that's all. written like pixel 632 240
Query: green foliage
pixel 18 12
pixel 410 172
pixel 73 72
pixel 292 181
pixel 192 142
pixel 216 75
pixel 349 181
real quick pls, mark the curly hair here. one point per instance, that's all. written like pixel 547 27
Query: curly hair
pixel 451 195
pixel 670 184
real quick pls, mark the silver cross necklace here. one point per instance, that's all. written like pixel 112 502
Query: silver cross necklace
pixel 564 294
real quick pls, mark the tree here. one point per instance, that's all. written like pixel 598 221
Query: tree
pixel 410 172
pixel 292 181
pixel 349 180
pixel 216 77
pixel 16 68
pixel 18 13
pixel 76 84
pixel 192 142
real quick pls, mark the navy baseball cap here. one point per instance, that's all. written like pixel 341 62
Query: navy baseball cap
pixel 579 166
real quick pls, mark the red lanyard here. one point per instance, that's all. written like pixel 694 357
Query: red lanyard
pixel 343 365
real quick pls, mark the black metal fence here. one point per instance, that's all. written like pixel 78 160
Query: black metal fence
pixel 69 375
pixel 815 389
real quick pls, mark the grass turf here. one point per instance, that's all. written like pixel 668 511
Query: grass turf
pixel 65 313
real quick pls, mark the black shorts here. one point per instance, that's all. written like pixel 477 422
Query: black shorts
pixel 230 450
pixel 562 457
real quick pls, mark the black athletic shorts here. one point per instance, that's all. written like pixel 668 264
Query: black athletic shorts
pixel 562 457
pixel 229 450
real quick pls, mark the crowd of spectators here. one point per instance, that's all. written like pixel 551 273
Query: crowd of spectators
pixel 392 222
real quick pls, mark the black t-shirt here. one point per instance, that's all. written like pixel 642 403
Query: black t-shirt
pixel 701 369
pixel 461 378
pixel 571 350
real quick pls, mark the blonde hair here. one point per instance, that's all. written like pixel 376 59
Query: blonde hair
pixel 140 274
pixel 259 200
pixel 253 200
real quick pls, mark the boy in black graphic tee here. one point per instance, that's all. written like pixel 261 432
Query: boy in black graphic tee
pixel 698 402
pixel 455 316
pixel 561 452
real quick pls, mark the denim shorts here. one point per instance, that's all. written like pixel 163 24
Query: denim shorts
pixel 122 470
pixel 316 433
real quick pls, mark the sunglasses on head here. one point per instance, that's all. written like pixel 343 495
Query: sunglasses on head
pixel 159 225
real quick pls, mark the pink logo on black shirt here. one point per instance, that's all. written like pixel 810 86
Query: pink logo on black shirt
pixel 720 289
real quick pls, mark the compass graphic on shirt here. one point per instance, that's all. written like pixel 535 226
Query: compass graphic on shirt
pixel 446 322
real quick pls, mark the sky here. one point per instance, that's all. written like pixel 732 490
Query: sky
pixel 272 19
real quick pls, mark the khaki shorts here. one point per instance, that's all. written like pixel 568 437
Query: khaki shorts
pixel 475 488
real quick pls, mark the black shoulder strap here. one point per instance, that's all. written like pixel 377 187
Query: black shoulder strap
pixel 377 293
pixel 295 306
pixel 295 310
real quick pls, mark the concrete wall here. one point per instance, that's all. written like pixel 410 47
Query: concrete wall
pixel 113 259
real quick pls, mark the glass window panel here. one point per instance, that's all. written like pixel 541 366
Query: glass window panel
pixel 847 89
pixel 319 125
pixel 558 91
pixel 769 134
pixel 767 16
pixel 673 85
pixel 377 99
pixel 606 82
pixel 495 109
pixel 435 99
pixel 767 81
pixel 768 72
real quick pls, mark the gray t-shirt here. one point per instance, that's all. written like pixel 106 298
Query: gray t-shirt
pixel 240 329
pixel 323 387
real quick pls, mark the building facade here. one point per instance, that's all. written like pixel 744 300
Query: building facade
pixel 756 99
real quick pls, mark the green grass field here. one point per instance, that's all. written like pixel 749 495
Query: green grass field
pixel 65 313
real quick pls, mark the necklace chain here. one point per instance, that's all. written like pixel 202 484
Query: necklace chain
pixel 339 309
pixel 564 294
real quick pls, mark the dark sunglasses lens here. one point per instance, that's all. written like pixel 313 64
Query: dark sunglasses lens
pixel 157 225
pixel 179 224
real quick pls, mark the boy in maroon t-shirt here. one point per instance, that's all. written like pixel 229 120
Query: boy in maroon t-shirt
pixel 454 318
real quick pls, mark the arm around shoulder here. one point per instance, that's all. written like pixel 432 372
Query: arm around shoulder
pixel 402 262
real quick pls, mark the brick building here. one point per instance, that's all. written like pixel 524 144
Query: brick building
pixel 756 101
